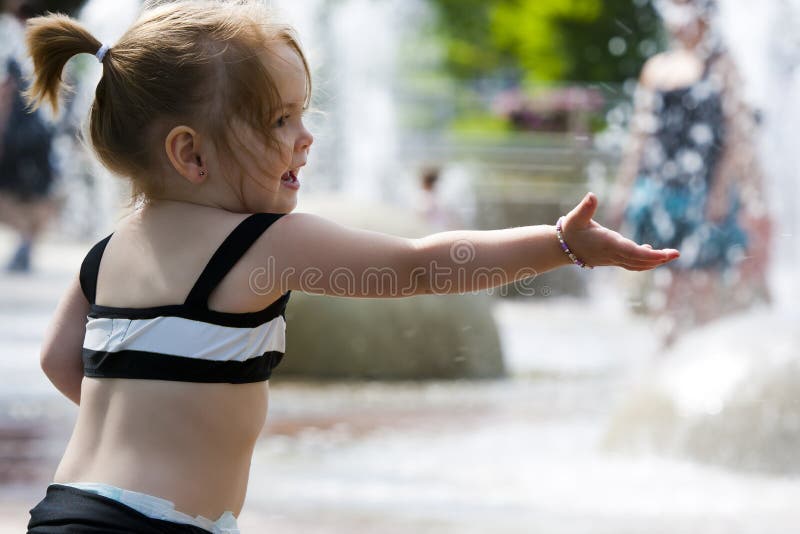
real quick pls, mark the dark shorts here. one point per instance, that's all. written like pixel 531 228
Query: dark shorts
pixel 68 510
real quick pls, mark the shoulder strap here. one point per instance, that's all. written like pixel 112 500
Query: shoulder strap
pixel 708 64
pixel 227 254
pixel 90 267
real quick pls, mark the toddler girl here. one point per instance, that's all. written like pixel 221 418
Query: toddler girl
pixel 168 346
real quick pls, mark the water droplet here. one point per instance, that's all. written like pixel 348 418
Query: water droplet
pixel 701 133
pixel 690 161
pixel 617 46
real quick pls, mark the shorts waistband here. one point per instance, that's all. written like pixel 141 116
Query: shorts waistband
pixel 157 507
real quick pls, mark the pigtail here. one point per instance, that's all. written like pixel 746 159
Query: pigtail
pixel 52 40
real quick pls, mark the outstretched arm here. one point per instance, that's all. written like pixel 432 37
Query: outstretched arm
pixel 308 253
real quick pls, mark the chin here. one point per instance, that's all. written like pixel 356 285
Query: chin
pixel 287 206
pixel 276 203
pixel 291 208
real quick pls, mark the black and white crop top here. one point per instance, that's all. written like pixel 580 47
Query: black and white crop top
pixel 186 342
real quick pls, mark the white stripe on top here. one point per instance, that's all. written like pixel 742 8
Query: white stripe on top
pixel 185 337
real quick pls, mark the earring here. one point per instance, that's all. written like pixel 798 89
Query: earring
pixel 202 173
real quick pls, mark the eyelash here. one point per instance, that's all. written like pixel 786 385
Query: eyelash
pixel 282 121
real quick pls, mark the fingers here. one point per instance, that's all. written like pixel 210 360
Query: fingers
pixel 629 250
pixel 635 268
pixel 643 265
pixel 614 249
pixel 640 266
pixel 645 255
pixel 627 262
pixel 635 257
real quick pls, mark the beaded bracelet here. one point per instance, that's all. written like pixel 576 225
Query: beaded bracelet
pixel 566 249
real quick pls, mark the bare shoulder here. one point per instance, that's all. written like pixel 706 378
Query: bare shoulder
pixel 311 253
pixel 296 227
pixel 155 256
pixel 310 235
pixel 652 69
pixel 307 238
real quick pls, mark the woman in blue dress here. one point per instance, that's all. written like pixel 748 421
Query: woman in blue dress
pixel 690 179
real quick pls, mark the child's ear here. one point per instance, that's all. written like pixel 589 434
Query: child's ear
pixel 183 150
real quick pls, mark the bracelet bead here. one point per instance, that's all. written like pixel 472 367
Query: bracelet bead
pixel 565 248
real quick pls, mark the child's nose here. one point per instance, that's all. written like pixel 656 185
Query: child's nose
pixel 305 140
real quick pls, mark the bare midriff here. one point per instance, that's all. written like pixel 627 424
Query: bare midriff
pixel 190 443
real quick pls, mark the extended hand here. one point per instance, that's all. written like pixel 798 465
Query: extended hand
pixel 597 245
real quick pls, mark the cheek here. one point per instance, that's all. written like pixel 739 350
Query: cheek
pixel 270 158
pixel 277 160
pixel 285 152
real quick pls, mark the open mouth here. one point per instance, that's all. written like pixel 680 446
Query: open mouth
pixel 289 179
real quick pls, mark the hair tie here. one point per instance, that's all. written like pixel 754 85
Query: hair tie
pixel 101 53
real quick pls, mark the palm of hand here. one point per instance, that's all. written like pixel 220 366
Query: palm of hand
pixel 597 245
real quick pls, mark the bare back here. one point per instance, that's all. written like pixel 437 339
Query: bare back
pixel 188 442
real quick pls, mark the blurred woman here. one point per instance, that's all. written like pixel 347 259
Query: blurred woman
pixel 690 179
pixel 27 169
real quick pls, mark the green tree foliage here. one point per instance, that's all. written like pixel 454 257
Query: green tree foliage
pixel 548 40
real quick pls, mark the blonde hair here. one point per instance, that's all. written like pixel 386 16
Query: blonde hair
pixel 182 62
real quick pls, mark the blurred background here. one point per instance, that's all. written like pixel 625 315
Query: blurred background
pixel 602 401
